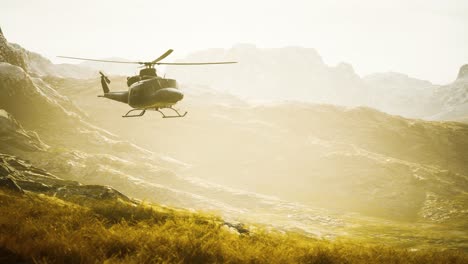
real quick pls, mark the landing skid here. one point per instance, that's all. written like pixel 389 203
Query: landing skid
pixel 173 116
pixel 143 111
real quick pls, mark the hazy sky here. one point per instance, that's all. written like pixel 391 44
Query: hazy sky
pixel 424 39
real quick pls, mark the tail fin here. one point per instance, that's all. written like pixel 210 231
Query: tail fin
pixel 104 83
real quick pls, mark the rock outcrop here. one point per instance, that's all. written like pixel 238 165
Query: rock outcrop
pixel 300 74
pixel 19 175
pixel 11 54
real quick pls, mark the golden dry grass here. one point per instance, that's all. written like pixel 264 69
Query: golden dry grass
pixel 43 229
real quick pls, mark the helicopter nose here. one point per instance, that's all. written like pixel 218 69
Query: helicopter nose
pixel 170 95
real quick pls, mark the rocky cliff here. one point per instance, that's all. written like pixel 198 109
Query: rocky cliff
pixel 9 53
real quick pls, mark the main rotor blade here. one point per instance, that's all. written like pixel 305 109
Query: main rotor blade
pixel 195 63
pixel 167 53
pixel 111 61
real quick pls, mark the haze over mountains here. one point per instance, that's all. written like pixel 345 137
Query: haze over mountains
pixel 323 169
pixel 295 73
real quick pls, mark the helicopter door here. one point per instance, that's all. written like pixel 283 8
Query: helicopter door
pixel 134 98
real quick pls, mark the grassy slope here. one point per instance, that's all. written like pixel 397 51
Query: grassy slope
pixel 48 230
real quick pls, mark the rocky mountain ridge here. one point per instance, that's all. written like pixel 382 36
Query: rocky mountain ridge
pixel 19 175
pixel 299 74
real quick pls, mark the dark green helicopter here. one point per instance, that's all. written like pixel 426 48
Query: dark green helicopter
pixel 147 91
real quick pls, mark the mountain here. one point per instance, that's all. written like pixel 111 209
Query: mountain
pixel 42 213
pixel 291 73
pixel 40 66
pixel 69 145
pixel 36 65
pixel 453 98
pixel 300 166
pixel 299 74
pixel 322 170
pixel 400 94
pixel 356 159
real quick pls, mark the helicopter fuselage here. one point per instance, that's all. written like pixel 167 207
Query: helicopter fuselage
pixel 155 92
pixel 151 92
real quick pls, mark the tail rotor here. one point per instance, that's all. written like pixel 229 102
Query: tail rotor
pixel 104 82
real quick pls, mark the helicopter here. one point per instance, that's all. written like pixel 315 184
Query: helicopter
pixel 147 91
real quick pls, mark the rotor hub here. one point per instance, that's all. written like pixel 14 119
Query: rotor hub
pixel 150 71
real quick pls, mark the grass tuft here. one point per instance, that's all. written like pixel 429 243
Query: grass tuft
pixel 44 229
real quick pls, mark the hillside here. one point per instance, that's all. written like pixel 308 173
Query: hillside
pixel 106 226
pixel 319 171
pixel 346 156
pixel 115 232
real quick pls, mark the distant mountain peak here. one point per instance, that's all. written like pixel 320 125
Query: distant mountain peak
pixel 463 72
pixel 345 68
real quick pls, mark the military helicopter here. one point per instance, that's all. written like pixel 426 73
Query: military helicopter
pixel 147 91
